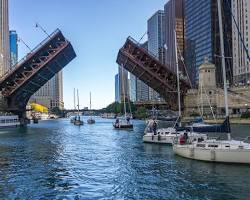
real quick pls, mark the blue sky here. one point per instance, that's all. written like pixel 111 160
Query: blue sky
pixel 96 29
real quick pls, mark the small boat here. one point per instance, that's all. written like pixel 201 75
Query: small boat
pixel 78 121
pixel 122 124
pixel 9 121
pixel 91 120
pixel 168 135
pixel 125 122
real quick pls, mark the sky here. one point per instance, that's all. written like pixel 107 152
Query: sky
pixel 97 30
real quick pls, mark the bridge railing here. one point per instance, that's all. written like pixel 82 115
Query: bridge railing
pixel 27 56
pixel 156 57
pixel 150 52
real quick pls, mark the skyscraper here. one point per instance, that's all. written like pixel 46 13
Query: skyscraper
pixel 202 36
pixel 132 87
pixel 156 42
pixel 123 83
pixel 13 48
pixel 174 15
pixel 4 37
pixel 241 63
pixel 142 91
pixel 51 94
pixel 117 88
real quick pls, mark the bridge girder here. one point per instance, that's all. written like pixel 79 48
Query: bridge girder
pixel 34 70
pixel 145 66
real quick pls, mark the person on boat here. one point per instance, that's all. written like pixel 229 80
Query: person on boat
pixel 154 127
pixel 185 136
pixel 117 122
pixel 128 120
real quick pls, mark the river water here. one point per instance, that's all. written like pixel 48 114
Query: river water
pixel 56 160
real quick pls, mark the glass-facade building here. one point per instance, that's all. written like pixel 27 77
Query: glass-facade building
pixel 174 15
pixel 132 87
pixel 117 88
pixel 13 48
pixel 202 36
pixel 156 41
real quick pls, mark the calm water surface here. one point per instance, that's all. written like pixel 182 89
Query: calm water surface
pixel 56 160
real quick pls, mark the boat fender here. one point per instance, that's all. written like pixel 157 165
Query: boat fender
pixel 159 137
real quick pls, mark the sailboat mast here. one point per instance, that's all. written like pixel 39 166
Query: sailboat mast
pixel 123 90
pixel 78 104
pixel 178 78
pixel 74 99
pixel 223 61
pixel 90 100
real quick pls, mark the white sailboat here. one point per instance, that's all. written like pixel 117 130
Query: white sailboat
pixel 124 122
pixel 167 135
pixel 90 120
pixel 78 121
pixel 212 150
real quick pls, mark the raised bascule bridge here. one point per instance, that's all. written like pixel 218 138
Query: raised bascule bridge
pixel 145 66
pixel 33 71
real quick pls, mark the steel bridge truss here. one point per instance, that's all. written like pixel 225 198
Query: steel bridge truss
pixel 36 69
pixel 145 66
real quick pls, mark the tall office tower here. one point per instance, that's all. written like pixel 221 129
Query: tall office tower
pixel 241 65
pixel 142 91
pixel 123 83
pixel 13 49
pixel 156 42
pixel 203 38
pixel 174 15
pixel 4 37
pixel 117 88
pixel 132 88
pixel 51 94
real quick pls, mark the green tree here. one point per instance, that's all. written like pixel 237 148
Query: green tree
pixel 141 113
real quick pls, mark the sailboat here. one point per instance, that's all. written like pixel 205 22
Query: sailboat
pixel 90 120
pixel 168 135
pixel 78 121
pixel 125 122
pixel 214 150
pixel 72 120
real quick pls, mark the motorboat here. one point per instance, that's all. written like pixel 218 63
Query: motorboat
pixel 9 121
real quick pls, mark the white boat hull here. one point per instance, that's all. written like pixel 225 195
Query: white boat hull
pixel 213 155
pixel 158 139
